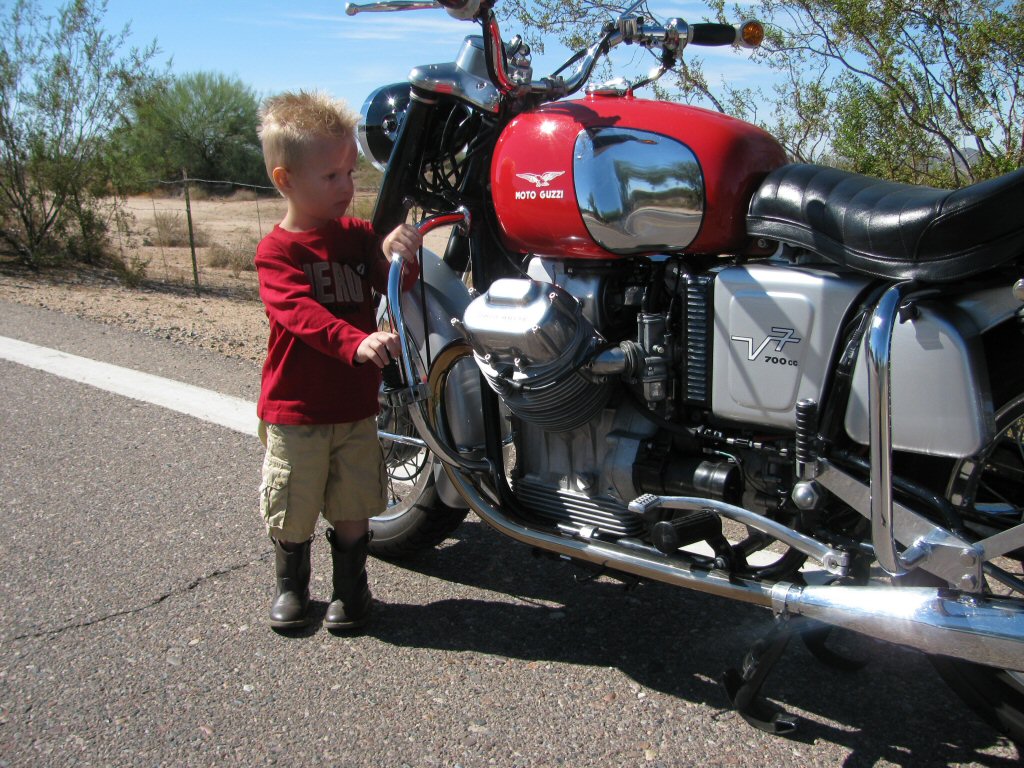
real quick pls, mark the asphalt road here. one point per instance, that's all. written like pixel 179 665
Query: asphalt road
pixel 136 578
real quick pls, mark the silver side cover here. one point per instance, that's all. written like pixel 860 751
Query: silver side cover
pixel 776 328
pixel 940 395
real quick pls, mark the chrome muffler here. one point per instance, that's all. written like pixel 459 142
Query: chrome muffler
pixel 945 622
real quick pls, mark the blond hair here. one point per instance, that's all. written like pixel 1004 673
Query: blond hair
pixel 290 122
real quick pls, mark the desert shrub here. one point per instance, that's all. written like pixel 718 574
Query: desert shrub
pixel 64 85
pixel 237 257
pixel 132 270
pixel 203 121
pixel 171 230
pixel 87 243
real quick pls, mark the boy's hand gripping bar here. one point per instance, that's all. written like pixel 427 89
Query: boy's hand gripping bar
pixel 402 385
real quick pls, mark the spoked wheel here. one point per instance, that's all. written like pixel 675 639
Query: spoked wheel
pixel 988 491
pixel 415 518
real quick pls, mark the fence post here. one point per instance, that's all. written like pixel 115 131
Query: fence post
pixel 191 236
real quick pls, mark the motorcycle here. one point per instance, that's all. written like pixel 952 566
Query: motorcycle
pixel 655 347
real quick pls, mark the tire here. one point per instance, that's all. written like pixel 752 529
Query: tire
pixel 997 695
pixel 415 519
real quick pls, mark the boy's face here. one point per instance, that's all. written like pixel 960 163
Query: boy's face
pixel 320 187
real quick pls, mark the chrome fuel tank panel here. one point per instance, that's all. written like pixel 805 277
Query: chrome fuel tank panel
pixel 637 191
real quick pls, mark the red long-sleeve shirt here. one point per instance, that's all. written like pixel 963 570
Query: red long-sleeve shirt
pixel 316 287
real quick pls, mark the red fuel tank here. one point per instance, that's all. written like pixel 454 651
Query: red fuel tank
pixel 609 176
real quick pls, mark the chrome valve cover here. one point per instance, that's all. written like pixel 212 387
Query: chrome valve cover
pixel 531 339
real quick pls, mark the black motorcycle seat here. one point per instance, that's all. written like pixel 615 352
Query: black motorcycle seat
pixel 892 230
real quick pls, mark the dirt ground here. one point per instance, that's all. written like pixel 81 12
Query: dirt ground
pixel 225 316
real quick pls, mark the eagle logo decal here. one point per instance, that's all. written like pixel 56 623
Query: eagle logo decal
pixel 541 180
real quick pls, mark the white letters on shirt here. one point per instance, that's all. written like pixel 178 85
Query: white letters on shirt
pixel 334 283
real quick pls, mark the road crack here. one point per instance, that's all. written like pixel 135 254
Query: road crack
pixel 151 604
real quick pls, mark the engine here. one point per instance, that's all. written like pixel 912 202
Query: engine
pixel 590 364
pixel 606 371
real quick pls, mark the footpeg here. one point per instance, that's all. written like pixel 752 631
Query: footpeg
pixel 835 561
pixel 644 505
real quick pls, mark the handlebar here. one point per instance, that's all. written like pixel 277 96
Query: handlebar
pixel 388 6
pixel 712 34
pixel 460 9
pixel 671 38
pixel 629 28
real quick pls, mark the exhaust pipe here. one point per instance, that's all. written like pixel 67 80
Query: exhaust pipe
pixel 944 622
pixel 987 631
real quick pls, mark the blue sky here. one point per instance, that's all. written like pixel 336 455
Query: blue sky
pixel 273 46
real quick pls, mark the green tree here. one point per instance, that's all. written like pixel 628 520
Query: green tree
pixel 917 90
pixel 64 82
pixel 204 122
pixel 924 91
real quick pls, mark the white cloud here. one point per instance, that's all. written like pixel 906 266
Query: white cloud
pixel 414 29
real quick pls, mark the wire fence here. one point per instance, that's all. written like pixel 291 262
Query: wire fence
pixel 205 232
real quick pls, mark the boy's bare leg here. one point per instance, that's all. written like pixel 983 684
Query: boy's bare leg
pixel 348 532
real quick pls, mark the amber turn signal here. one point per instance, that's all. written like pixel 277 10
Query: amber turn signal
pixel 751 34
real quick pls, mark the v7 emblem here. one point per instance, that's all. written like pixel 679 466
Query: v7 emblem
pixel 783 336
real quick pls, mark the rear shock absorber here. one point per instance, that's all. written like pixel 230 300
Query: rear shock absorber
pixel 806 426
pixel 806 494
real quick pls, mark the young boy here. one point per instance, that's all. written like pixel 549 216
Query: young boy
pixel 318 399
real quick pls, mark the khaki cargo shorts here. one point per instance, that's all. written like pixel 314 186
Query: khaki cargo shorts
pixel 336 469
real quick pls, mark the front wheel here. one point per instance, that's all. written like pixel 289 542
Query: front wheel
pixel 415 519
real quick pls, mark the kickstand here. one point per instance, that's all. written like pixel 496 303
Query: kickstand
pixel 744 690
pixel 816 637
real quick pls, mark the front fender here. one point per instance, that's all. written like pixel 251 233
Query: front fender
pixel 442 298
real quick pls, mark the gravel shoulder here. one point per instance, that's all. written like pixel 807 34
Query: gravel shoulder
pixel 224 316
pixel 231 323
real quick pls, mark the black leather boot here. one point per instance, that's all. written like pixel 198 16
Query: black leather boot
pixel 350 602
pixel 290 609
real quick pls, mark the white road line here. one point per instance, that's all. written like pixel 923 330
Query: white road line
pixel 231 412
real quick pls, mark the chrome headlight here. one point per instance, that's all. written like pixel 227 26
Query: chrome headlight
pixel 383 114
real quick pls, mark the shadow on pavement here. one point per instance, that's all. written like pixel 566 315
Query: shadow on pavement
pixel 679 643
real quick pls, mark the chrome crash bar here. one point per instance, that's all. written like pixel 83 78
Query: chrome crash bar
pixel 877 348
pixel 414 393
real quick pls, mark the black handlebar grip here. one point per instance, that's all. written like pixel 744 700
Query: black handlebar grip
pixel 712 34
pixel 392 376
